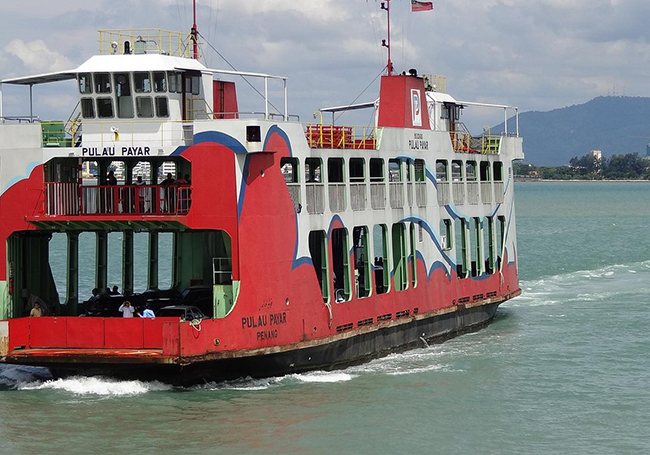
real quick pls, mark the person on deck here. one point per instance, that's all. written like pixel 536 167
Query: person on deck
pixel 126 309
pixel 36 311
pixel 147 313
pixel 168 194
pixel 115 290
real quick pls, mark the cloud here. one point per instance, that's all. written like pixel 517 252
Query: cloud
pixel 36 56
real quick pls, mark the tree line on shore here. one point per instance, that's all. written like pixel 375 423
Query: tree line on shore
pixel 629 166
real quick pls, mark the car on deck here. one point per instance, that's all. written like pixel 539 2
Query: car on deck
pixel 185 312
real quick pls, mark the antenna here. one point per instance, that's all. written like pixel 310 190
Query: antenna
pixel 195 33
pixel 386 6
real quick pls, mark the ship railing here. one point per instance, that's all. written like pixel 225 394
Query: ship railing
pixel 396 195
pixel 358 196
pixel 341 137
pixel 443 193
pixel 19 119
pixel 378 196
pixel 409 193
pixel 146 41
pixel 421 194
pixel 253 114
pixel 336 193
pixel 315 193
pixel 294 193
pixel 472 192
pixel 458 190
pixel 65 199
pixel 486 192
pixel 498 192
pixel 463 142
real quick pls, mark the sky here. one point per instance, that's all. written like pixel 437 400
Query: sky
pixel 536 55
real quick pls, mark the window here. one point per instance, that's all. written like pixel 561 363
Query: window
pixel 196 85
pixel 394 170
pixel 289 168
pixel 461 248
pixel 341 265
pixel 357 170
pixel 142 82
pixel 87 108
pixel 381 264
pixel 498 171
pixel 102 83
pixel 442 171
pixel 162 109
pixel 123 93
pixel 446 236
pixel 413 256
pixel 485 171
pixel 488 245
pixel 470 171
pixel 159 82
pixel 400 271
pixel 175 82
pixel 144 106
pixel 457 171
pixel 335 170
pixel 361 262
pixel 85 83
pixel 313 170
pixel 376 170
pixel 420 171
pixel 501 238
pixel 105 107
pixel 318 252
pixel 475 251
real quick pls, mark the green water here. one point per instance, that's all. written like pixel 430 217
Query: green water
pixel 564 369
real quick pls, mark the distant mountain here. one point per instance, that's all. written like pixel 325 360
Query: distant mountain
pixel 613 124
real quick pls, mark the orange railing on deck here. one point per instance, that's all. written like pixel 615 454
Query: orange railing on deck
pixel 341 137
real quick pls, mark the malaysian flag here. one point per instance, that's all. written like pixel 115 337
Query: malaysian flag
pixel 421 6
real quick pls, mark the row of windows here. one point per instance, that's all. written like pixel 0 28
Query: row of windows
pixel 339 270
pixel 144 107
pixel 398 170
pixel 479 244
pixel 143 82
pixel 460 171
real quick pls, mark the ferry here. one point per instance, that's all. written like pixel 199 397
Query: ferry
pixel 306 245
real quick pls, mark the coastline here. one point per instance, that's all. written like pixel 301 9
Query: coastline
pixel 524 180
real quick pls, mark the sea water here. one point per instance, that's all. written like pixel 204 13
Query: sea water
pixel 564 368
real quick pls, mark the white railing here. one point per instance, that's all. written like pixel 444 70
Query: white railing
pixel 458 188
pixel 486 192
pixel 358 196
pixel 315 198
pixel 62 198
pixel 396 195
pixel 294 192
pixel 472 192
pixel 443 193
pixel 421 194
pixel 336 193
pixel 378 196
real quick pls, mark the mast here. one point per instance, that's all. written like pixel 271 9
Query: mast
pixel 194 33
pixel 386 6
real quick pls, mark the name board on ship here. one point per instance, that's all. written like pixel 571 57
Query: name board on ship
pixel 418 142
pixel 116 151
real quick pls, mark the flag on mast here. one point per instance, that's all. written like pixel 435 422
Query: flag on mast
pixel 420 6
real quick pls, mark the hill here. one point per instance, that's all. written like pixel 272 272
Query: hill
pixel 613 124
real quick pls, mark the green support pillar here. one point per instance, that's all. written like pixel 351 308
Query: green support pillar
pixel 101 261
pixel 152 271
pixel 72 285
pixel 127 262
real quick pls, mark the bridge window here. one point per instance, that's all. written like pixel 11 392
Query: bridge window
pixel 102 83
pixel 159 82
pixel 123 93
pixel 142 82
pixel 87 108
pixel 85 83
pixel 144 106
pixel 105 107
pixel 162 109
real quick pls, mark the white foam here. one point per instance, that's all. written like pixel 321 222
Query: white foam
pixel 324 376
pixel 97 386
